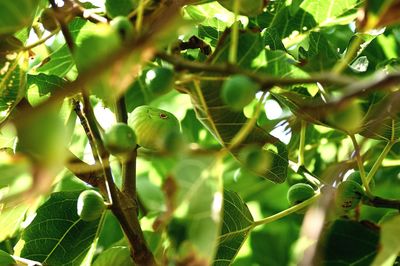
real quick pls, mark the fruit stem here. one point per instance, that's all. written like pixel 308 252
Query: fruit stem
pixel 382 156
pixel 41 41
pixel 360 165
pixel 234 34
pixel 139 18
pixel 288 211
pixel 302 142
pixel 349 56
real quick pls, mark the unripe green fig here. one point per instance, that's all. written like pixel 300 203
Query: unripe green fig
pixel 255 159
pixel 299 192
pixel 120 7
pixel 152 125
pixel 247 8
pixel 120 139
pixel 238 91
pixel 348 195
pixel 356 177
pixel 90 205
pixel 123 26
pixel 160 80
pixel 49 20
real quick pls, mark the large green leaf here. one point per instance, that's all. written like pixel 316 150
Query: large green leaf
pixel 236 224
pixel 199 200
pixel 57 236
pixel 224 123
pixel 14 15
pixel 350 243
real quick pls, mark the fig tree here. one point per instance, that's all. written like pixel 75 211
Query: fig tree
pixel 152 125
pixel 299 192
pixel 238 91
pixel 90 205
pixel 120 139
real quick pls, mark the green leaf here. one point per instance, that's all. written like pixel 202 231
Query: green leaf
pixel 199 200
pixel 12 168
pixel 382 119
pixel 13 65
pixel 11 219
pixel 389 243
pixel 14 15
pixel 236 225
pixel 6 259
pixel 350 243
pixel 116 256
pixel 60 61
pixel 57 236
pixel 41 86
pixel 331 12
pixel 223 123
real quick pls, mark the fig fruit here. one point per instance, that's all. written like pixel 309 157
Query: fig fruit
pixel 238 91
pixel 120 139
pixel 348 195
pixel 160 80
pixel 90 205
pixel 247 8
pixel 123 26
pixel 299 192
pixel 356 177
pixel 152 125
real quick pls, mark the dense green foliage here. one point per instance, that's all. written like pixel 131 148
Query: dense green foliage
pixel 226 132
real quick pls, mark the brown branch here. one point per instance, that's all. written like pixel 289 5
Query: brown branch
pixel 382 203
pixel 266 81
pixel 64 28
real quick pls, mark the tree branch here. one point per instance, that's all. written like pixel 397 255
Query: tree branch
pixel 382 203
pixel 266 81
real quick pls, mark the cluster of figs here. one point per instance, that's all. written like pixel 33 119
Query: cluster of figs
pixel 348 194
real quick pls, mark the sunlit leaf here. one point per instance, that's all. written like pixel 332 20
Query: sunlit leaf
pixel 15 15
pixel 57 236
pixel 236 224
pixel 200 200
